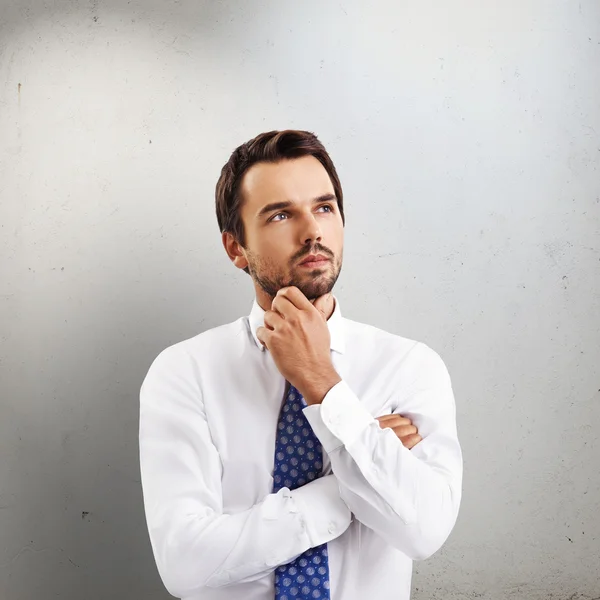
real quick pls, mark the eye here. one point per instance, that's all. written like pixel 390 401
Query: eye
pixel 274 217
pixel 327 206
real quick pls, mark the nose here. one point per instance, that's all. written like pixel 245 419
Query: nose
pixel 311 231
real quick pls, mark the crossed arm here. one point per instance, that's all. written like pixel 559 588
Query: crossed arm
pixel 405 488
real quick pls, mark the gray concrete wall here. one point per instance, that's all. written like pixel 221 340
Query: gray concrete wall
pixel 467 139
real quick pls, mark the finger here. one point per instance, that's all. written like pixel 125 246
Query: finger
pixel 284 306
pixel 272 319
pixel 410 441
pixel 262 333
pixel 393 420
pixel 325 305
pixel 392 416
pixel 404 430
pixel 392 423
pixel 293 295
pixel 386 417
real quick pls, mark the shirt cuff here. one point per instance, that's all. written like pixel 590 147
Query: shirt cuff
pixel 325 514
pixel 339 419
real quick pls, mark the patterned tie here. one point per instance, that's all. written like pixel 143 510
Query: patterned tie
pixel 298 460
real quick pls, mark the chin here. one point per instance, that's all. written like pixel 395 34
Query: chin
pixel 313 289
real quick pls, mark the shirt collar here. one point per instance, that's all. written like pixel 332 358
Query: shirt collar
pixel 335 324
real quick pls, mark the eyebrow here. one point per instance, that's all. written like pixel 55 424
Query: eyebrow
pixel 268 208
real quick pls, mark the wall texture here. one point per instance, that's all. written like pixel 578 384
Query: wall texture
pixel 467 139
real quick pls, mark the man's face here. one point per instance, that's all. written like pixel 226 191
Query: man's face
pixel 289 212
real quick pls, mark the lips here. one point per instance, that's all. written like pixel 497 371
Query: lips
pixel 315 258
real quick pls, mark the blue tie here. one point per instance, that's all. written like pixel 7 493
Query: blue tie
pixel 298 460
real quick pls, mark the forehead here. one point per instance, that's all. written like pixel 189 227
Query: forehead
pixel 298 180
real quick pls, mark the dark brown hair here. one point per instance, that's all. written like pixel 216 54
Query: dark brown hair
pixel 272 146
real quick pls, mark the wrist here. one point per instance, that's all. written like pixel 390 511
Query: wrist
pixel 317 386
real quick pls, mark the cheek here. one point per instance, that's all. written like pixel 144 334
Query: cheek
pixel 270 256
pixel 272 253
pixel 259 248
pixel 336 240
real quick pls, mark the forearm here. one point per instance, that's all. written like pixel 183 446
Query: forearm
pixel 197 548
pixel 405 500
pixel 196 543
pixel 411 498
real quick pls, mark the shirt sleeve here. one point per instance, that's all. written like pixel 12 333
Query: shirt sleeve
pixel 196 544
pixel 410 498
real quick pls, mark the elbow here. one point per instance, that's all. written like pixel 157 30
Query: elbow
pixel 189 554
pixel 180 577
pixel 424 546
pixel 426 536
pixel 419 539
pixel 432 525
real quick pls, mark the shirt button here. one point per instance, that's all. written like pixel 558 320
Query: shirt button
pixel 332 527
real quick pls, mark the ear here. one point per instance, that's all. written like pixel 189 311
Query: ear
pixel 234 250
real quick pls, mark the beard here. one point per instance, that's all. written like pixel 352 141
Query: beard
pixel 312 283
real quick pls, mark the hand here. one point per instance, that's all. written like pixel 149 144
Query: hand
pixel 402 427
pixel 297 336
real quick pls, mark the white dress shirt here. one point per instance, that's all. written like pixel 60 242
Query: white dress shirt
pixel 208 418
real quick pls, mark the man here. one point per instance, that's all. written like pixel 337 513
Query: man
pixel 280 456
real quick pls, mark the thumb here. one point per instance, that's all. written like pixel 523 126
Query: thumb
pixel 260 335
pixel 324 304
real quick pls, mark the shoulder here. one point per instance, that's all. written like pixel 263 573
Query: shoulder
pixel 188 355
pixel 412 356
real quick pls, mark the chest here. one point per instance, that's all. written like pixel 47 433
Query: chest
pixel 243 400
